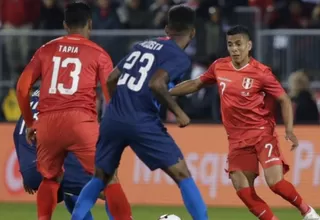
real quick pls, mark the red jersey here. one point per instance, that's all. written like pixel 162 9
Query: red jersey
pixel 247 98
pixel 69 68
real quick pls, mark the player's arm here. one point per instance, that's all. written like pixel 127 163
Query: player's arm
pixel 187 87
pixel 28 77
pixel 274 88
pixel 105 68
pixel 159 86
pixel 113 80
pixel 194 85
pixel 287 112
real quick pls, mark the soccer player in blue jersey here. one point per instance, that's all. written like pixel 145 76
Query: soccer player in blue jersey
pixel 136 85
pixel 74 178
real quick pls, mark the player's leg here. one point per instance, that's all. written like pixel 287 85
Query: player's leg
pixel 275 167
pixel 108 153
pixel 157 149
pixel 31 180
pixel 50 166
pixel 74 179
pixel 50 157
pixel 27 156
pixel 116 200
pixel 191 195
pixel 70 202
pixel 243 168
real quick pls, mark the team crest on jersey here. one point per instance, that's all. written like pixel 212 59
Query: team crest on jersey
pixel 247 83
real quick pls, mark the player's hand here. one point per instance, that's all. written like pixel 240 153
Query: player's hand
pixel 290 136
pixel 183 120
pixel 31 135
pixel 29 190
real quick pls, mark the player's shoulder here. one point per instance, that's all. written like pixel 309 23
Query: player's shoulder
pixel 52 42
pixel 49 44
pixel 94 46
pixel 258 66
pixel 223 60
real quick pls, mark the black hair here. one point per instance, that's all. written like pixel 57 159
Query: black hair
pixel 77 14
pixel 181 18
pixel 239 29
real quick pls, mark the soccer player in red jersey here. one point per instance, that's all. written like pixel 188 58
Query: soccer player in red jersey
pixel 247 90
pixel 69 68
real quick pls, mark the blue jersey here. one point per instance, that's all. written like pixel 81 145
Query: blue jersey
pixel 133 101
pixel 20 128
pixel 28 159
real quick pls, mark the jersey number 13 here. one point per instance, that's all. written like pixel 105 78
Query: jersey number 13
pixel 58 63
pixel 146 61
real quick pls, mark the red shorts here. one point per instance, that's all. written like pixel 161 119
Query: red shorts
pixel 266 151
pixel 61 132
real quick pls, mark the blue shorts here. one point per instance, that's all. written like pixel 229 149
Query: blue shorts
pixel 150 142
pixel 75 177
pixel 27 155
pixel 32 178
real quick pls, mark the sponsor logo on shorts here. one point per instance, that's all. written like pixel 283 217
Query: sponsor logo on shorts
pixel 272 159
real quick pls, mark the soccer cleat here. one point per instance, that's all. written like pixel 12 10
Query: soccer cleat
pixel 311 215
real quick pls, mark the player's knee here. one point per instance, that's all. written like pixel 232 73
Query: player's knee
pixel 57 179
pixel 106 178
pixel 242 179
pixel 273 175
pixel 98 173
pixel 178 171
pixel 114 179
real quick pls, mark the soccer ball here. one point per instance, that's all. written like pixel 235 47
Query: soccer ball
pixel 169 217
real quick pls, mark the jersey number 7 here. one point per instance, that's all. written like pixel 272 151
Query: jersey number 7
pixel 146 60
pixel 57 64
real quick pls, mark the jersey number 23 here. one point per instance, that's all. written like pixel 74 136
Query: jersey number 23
pixel 146 61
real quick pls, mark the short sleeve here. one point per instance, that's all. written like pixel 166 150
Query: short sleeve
pixel 176 66
pixel 209 76
pixel 105 68
pixel 121 63
pixel 271 85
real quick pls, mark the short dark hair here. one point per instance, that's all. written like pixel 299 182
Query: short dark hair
pixel 181 18
pixel 239 29
pixel 77 14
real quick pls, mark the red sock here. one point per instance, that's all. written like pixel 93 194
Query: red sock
pixel 256 205
pixel 47 198
pixel 118 204
pixel 287 191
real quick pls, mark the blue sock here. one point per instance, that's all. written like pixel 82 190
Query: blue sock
pixel 193 200
pixel 87 198
pixel 108 212
pixel 70 202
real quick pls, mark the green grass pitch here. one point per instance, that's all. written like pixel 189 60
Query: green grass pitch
pixel 15 211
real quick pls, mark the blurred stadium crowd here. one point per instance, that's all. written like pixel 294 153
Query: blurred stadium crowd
pixel 214 17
